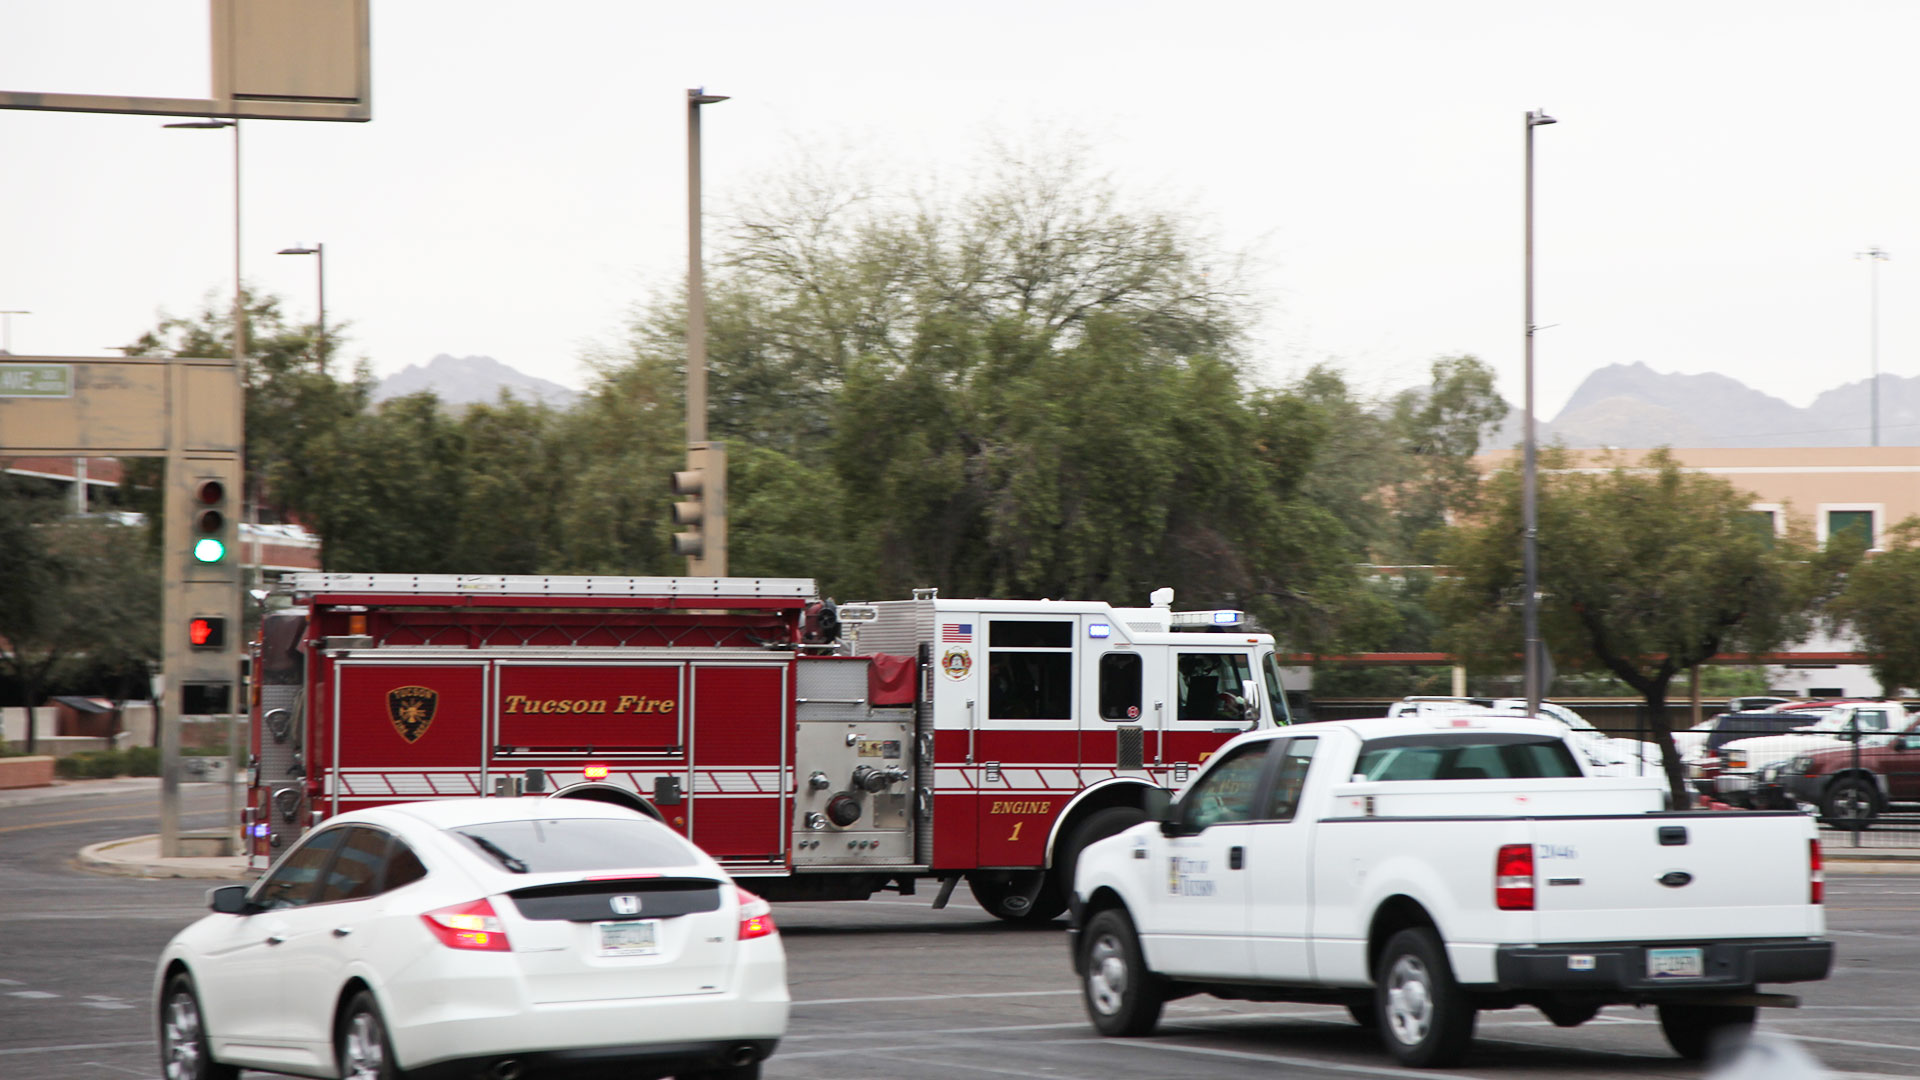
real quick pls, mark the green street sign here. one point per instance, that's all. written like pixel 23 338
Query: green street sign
pixel 36 380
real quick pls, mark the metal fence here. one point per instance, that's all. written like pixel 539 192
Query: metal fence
pixel 1854 768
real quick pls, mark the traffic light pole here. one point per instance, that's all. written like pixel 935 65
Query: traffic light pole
pixel 706 547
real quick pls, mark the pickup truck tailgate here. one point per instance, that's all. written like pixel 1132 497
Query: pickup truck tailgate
pixel 1657 877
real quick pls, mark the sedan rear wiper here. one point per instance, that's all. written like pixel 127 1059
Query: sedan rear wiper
pixel 497 852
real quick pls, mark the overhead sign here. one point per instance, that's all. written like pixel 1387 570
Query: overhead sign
pixel 36 380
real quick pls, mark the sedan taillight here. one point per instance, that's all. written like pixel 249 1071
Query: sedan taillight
pixel 471 925
pixel 1513 877
pixel 756 916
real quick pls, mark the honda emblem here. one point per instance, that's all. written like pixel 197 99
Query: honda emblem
pixel 625 905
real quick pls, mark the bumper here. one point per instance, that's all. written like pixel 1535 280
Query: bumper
pixel 487 1017
pixel 623 1062
pixel 1615 968
pixel 1804 789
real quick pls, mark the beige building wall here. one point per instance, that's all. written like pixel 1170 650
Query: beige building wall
pixel 1809 483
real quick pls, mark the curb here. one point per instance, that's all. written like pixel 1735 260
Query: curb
pixel 112 857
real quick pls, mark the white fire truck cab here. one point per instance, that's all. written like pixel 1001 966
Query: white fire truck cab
pixel 822 751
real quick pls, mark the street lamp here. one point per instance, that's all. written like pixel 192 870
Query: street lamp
pixel 712 561
pixel 1530 524
pixel 319 251
pixel 6 329
pixel 1874 257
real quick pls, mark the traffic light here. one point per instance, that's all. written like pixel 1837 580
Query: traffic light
pixel 209 535
pixel 207 632
pixel 702 511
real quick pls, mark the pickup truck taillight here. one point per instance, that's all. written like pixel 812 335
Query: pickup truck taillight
pixel 1513 877
pixel 1816 879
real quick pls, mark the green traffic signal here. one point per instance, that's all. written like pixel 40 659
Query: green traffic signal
pixel 209 549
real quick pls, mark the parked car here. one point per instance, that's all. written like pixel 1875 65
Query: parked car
pixel 1605 755
pixel 1849 787
pixel 482 936
pixel 1703 763
pixel 1744 762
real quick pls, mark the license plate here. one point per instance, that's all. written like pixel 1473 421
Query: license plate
pixel 1675 964
pixel 638 937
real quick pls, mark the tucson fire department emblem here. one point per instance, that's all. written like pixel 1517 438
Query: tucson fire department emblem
pixel 956 663
pixel 411 709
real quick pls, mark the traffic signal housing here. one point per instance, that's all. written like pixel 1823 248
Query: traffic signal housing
pixel 209 525
pixel 702 510
pixel 207 632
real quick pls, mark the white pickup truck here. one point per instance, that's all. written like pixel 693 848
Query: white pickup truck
pixel 1420 869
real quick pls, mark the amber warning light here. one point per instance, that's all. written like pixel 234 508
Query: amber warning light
pixel 596 772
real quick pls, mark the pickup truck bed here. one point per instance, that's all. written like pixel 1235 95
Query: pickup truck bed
pixel 1420 872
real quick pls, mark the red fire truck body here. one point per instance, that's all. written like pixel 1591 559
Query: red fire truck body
pixel 822 752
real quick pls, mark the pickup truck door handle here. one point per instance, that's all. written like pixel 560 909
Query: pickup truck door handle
pixel 1236 857
pixel 275 939
pixel 342 931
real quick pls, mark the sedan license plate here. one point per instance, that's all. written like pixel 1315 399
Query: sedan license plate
pixel 638 937
pixel 1675 964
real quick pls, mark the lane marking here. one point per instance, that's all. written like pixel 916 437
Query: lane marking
pixel 934 997
pixel 71 1047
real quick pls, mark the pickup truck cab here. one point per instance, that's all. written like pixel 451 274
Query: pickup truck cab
pixel 1418 870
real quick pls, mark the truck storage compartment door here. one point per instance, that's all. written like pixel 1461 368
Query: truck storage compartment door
pixel 406 731
pixel 741 761
pixel 1672 877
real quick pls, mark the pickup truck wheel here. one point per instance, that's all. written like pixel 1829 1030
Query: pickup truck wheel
pixel 1426 1020
pixel 1692 1030
pixel 1123 997
pixel 1018 896
pixel 1850 804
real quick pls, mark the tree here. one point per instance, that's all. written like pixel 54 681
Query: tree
pixel 1881 603
pixel 34 630
pixel 1439 430
pixel 1645 571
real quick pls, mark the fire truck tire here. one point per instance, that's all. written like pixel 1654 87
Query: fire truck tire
pixel 1021 896
pixel 361 1045
pixel 1098 825
pixel 184 1052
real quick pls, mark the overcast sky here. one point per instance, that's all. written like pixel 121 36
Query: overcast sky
pixel 1716 167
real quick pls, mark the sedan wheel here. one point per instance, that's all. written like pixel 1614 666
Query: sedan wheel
pixel 363 1048
pixel 183 1038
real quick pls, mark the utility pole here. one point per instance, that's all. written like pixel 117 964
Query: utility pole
pixel 1874 257
pixel 1530 527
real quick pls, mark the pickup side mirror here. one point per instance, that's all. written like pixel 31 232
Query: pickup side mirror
pixel 230 900
pixel 1158 805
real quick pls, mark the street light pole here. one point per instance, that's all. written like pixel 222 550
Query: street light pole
pixel 1874 257
pixel 6 329
pixel 713 559
pixel 1530 525
pixel 319 251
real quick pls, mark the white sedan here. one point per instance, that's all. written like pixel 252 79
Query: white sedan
pixel 488 937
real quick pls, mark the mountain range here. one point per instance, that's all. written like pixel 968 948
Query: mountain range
pixel 1634 406
pixel 472 380
pixel 1624 405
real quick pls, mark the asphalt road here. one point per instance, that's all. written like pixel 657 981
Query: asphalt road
pixel 892 990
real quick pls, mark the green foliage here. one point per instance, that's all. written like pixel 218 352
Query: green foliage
pixel 1644 572
pixel 141 760
pixel 1881 602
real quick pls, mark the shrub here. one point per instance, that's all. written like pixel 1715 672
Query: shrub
pixel 142 760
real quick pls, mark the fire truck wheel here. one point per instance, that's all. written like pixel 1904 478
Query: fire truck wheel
pixel 1099 825
pixel 361 1042
pixel 1022 896
pixel 183 1040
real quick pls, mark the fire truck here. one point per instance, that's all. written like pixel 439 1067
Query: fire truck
pixel 818 751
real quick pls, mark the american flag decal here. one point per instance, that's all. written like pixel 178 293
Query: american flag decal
pixel 961 632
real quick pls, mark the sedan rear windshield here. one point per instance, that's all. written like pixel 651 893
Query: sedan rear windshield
pixel 576 844
pixel 1465 756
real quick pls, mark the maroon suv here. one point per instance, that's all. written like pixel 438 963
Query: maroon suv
pixel 1850 786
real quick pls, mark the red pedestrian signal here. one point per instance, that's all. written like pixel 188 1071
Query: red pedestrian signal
pixel 207 632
